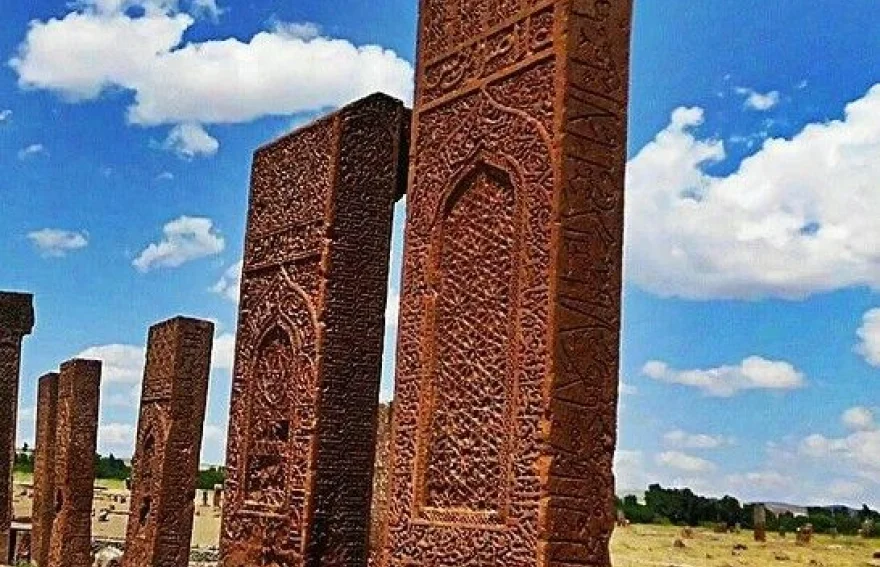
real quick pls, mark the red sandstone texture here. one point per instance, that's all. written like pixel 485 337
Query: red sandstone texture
pixel 507 365
pixel 169 442
pixel 44 469
pixel 16 321
pixel 310 336
pixel 76 438
pixel 379 509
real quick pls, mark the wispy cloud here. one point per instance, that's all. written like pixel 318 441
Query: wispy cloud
pixel 53 242
pixel 759 101
pixel 753 373
pixel 31 151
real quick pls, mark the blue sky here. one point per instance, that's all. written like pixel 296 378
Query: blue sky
pixel 750 344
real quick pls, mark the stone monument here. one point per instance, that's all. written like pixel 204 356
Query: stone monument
pixel 760 522
pixel 16 321
pixel 169 441
pixel 76 436
pixel 507 365
pixel 43 509
pixel 310 337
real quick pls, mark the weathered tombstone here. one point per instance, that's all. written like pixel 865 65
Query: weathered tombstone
pixel 868 528
pixel 507 365
pixel 218 496
pixel 16 321
pixel 169 442
pixel 43 510
pixel 76 437
pixel 22 555
pixel 760 522
pixel 804 535
pixel 310 336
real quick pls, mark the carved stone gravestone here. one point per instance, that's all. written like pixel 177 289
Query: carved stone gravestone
pixel 76 438
pixel 760 522
pixel 507 366
pixel 310 336
pixel 16 321
pixel 44 469
pixel 169 442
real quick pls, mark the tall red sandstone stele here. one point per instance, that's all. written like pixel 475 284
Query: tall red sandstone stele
pixel 169 441
pixel 310 336
pixel 16 321
pixel 504 423
pixel 76 437
pixel 43 508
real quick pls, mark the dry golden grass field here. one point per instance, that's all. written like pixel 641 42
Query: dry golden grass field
pixel 638 546
pixel 633 546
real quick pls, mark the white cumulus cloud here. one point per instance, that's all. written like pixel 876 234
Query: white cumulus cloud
pixel 683 439
pixel 753 373
pixel 684 462
pixel 229 283
pixel 122 363
pixel 795 218
pixel 117 438
pixel 861 448
pixel 184 239
pixel 190 140
pixel 859 419
pixel 291 68
pixel 223 355
pixel 869 337
pixel 5 115
pixel 56 242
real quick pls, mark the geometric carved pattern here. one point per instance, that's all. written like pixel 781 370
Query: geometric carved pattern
pixel 507 362
pixel 44 478
pixel 474 251
pixel 169 440
pixel 309 344
pixel 16 321
pixel 76 436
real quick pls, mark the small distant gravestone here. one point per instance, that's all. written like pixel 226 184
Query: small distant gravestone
pixel 804 535
pixel 760 522
pixel 867 528
pixel 218 496
pixel 687 533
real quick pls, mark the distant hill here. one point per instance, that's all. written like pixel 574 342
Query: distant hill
pixel 782 508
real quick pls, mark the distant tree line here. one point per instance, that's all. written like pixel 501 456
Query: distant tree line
pixel 682 507
pixel 210 477
pixel 113 468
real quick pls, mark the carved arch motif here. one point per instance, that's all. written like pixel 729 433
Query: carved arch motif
pixel 465 443
pixel 280 415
